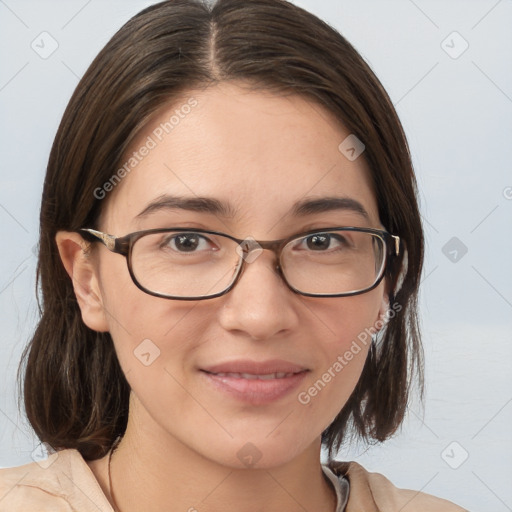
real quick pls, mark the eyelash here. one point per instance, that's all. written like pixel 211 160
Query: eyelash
pixel 170 240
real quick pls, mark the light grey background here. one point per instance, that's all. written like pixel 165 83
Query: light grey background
pixel 456 107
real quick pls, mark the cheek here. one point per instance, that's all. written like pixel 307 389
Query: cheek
pixel 349 324
pixel 348 319
pixel 147 331
pixel 154 323
pixel 155 342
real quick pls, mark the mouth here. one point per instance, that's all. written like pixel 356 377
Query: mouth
pixel 255 383
pixel 251 376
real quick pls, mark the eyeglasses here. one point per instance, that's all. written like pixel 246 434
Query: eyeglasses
pixel 192 264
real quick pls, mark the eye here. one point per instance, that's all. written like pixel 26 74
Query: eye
pixel 323 242
pixel 187 242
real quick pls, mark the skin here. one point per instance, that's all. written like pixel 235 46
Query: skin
pixel 261 152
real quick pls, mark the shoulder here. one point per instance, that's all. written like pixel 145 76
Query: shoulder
pixel 373 492
pixel 61 483
pixel 33 486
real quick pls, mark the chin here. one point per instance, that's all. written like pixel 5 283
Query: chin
pixel 258 452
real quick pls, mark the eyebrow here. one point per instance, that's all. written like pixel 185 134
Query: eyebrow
pixel 304 207
pixel 194 204
pixel 326 204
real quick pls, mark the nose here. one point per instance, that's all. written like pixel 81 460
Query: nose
pixel 260 304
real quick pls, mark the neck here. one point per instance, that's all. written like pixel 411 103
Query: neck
pixel 177 478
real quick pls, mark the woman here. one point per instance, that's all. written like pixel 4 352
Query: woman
pixel 229 263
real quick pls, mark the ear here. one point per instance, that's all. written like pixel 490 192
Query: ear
pixel 383 315
pixel 384 306
pixel 79 264
pixel 402 273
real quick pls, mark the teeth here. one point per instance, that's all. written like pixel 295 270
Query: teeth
pixel 245 376
pixel 251 376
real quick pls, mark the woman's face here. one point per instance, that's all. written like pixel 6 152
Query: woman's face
pixel 258 154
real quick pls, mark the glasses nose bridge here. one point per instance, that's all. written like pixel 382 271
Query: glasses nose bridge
pixel 250 249
pixel 271 245
pixel 249 245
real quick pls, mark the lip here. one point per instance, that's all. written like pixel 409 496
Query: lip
pixel 255 367
pixel 251 389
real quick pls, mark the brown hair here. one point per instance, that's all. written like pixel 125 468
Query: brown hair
pixel 74 390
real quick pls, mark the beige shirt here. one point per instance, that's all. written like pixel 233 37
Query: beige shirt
pixel 65 483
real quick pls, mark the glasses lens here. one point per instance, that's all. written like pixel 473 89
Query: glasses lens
pixel 334 262
pixel 198 264
pixel 184 264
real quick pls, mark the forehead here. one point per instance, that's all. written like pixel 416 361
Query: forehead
pixel 256 151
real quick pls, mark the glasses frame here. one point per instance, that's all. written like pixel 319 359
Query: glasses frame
pixel 123 245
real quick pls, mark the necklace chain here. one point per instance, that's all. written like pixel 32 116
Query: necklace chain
pixel 110 490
